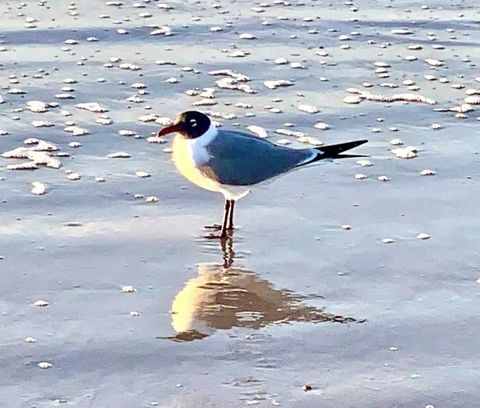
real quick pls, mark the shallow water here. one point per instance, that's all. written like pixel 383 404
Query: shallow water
pixel 292 299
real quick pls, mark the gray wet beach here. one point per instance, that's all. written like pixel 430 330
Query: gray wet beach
pixel 360 279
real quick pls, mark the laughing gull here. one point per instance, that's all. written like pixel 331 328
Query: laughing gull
pixel 229 161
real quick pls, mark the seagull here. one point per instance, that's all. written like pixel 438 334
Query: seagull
pixel 230 162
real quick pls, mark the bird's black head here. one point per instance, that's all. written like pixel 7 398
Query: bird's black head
pixel 190 124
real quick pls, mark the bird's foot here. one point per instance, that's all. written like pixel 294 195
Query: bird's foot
pixel 214 227
pixel 213 235
pixel 221 235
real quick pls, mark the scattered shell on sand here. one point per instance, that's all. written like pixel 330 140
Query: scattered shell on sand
pixel 423 235
pixel 406 97
pixel 401 31
pixel 283 142
pixel 433 62
pixel 258 130
pixel 281 61
pixel 42 123
pixel 278 83
pixel 38 188
pixel 407 152
pixel 127 133
pixel 40 303
pixel 472 100
pixel 364 163
pixel 346 227
pixel 151 199
pixel 128 289
pixel 142 174
pixel 388 240
pixel 360 176
pixel 247 36
pixel 45 365
pixel 321 126
pixel 352 99
pixel 73 176
pixel 428 172
pixel 76 130
pixel 37 106
pixel 383 178
pixel 30 165
pixel 156 139
pixel 118 155
pixel 308 108
pixel 92 107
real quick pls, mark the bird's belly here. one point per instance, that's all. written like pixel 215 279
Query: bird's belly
pixel 185 164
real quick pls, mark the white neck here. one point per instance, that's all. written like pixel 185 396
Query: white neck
pixel 207 137
pixel 195 150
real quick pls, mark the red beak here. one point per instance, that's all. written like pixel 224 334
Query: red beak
pixel 170 129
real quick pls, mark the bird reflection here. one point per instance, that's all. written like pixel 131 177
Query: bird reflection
pixel 223 296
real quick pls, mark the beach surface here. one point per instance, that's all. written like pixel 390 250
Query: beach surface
pixel 351 283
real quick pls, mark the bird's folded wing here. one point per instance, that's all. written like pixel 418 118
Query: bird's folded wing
pixel 240 159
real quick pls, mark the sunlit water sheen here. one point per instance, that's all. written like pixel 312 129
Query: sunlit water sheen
pixel 92 269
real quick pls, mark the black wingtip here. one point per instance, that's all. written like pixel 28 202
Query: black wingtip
pixel 334 151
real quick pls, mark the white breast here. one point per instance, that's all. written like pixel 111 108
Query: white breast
pixel 190 154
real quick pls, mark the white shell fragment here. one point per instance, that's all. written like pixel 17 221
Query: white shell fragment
pixel 258 130
pixel 40 303
pixel 321 126
pixel 434 62
pixel 128 289
pixel 76 130
pixel 359 95
pixel 364 163
pixel 118 155
pixel 92 107
pixel 408 152
pixel 308 108
pixel 30 165
pixel 45 365
pixel 352 99
pixel 73 176
pixel 277 84
pixel 38 188
pixel 37 106
pixel 423 235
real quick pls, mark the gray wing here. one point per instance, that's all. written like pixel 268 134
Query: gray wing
pixel 240 159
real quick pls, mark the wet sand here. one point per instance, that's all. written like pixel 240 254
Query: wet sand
pixel 140 310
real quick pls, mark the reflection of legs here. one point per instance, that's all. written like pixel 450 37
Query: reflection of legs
pixel 230 217
pixel 227 250
pixel 226 215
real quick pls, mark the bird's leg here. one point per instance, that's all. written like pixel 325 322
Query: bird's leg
pixel 230 216
pixel 226 214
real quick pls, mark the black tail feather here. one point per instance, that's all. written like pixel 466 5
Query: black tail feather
pixel 334 151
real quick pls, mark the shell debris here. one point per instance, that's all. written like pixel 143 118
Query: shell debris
pixel 38 188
